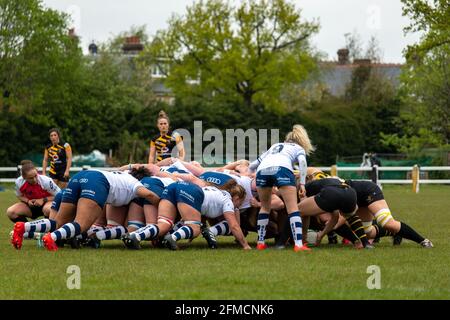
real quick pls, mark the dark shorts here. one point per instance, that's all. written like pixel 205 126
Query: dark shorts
pixel 36 212
pixel 333 198
pixel 87 184
pixel 152 184
pixel 367 192
pixel 56 203
pixel 184 192
pixel 275 177
pixel 58 176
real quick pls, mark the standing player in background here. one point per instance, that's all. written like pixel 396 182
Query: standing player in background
pixel 161 146
pixel 60 155
pixel 275 168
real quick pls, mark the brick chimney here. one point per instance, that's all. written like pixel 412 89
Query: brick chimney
pixel 343 56
pixel 72 33
pixel 132 45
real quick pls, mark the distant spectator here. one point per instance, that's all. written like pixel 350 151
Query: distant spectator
pixel 162 145
pixel 366 160
pixel 60 155
pixel 374 160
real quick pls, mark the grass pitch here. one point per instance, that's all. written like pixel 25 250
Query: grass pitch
pixel 329 272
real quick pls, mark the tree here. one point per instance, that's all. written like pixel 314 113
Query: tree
pixel 425 116
pixel 354 44
pixel 245 54
pixel 432 19
pixel 36 53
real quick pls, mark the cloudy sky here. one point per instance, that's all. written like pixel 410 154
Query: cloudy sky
pixel 98 20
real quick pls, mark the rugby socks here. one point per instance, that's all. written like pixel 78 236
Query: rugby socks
pixel 381 232
pixel 92 230
pixel 40 226
pixel 345 232
pixel 43 225
pixel 409 233
pixel 67 231
pixel 185 232
pixel 263 221
pixel 358 228
pixel 296 228
pixel 150 231
pixel 176 226
pixel 113 232
pixel 220 229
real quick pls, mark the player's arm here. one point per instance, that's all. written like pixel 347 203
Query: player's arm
pixel 42 201
pixel 180 147
pixel 24 200
pixel 254 165
pixel 231 166
pixel 143 192
pixel 303 166
pixel 236 230
pixel 329 225
pixel 152 154
pixel 44 162
pixel 69 160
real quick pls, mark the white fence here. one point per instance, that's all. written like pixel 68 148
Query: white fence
pixel 415 173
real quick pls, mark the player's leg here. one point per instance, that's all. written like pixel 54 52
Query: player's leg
pixel 136 219
pixel 191 228
pixel 384 218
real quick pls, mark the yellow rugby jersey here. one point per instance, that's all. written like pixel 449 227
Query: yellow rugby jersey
pixel 164 144
pixel 57 156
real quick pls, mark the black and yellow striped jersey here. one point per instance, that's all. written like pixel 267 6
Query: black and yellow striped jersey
pixel 57 155
pixel 315 186
pixel 164 144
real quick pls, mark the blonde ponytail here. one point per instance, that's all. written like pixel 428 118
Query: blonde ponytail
pixel 299 136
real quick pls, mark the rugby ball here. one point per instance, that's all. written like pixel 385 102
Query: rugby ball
pixel 311 237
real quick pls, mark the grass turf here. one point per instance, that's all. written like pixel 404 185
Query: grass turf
pixel 329 272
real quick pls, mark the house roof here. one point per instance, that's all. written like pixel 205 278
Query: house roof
pixel 337 76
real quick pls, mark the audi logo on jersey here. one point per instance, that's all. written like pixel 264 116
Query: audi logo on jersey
pixel 214 180
pixel 84 180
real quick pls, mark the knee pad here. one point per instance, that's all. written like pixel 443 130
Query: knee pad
pixel 383 216
pixel 368 226
pixel 165 220
pixel 112 223
pixel 193 222
pixel 135 224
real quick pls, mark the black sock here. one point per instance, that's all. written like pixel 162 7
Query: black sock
pixel 285 234
pixel 345 232
pixel 382 232
pixel 332 237
pixel 357 227
pixel 408 233
pixel 20 219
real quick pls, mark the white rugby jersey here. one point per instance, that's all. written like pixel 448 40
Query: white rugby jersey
pixel 166 181
pixel 178 165
pixel 122 187
pixel 45 187
pixel 246 183
pixel 283 154
pixel 216 202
